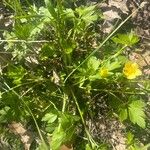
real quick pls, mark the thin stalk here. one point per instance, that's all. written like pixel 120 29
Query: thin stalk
pixel 118 53
pixel 91 140
pixel 40 134
pixel 59 6
pixel 107 38
pixel 115 55
pixel 64 102
pixel 24 41
pixel 65 97
pixel 11 89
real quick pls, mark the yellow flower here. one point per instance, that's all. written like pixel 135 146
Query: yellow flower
pixel 131 70
pixel 104 72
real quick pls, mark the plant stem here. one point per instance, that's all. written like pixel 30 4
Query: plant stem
pixel 91 140
pixel 24 41
pixel 115 55
pixel 20 97
pixel 64 102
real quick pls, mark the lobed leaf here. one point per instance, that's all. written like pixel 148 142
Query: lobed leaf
pixel 126 39
pixel 49 117
pixel 136 113
pixel 58 138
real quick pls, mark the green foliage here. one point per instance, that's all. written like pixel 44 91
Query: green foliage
pixel 16 73
pixel 134 144
pixel 43 146
pixel 58 137
pixel 56 84
pixel 23 31
pixel 136 113
pixel 49 117
pixel 126 39
pixel 64 132
pixel 51 9
pixel 87 15
pixel 3 114
pixel 93 64
pixel 123 114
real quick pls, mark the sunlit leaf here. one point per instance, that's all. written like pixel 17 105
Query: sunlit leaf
pixel 87 14
pixel 123 114
pixel 50 7
pixel 88 147
pixel 3 114
pixel 16 73
pixel 136 113
pixel 130 137
pixel 49 117
pixel 126 39
pixel 93 63
pixel 58 138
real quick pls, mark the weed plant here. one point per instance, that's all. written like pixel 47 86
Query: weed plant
pixel 61 65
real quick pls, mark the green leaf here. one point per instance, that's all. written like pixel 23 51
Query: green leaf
pixel 122 59
pixel 49 117
pixel 68 120
pixel 65 131
pixel 43 146
pixel 68 45
pixel 68 14
pixel 146 85
pixel 136 113
pixel 87 14
pixel 126 39
pixel 130 138
pixel 85 10
pixel 1 95
pixel 123 114
pixel 68 124
pixel 16 73
pixel 23 31
pixel 51 127
pixel 146 147
pixel 112 65
pixel 50 7
pixel 89 69
pixel 47 51
pixel 11 100
pixel 3 114
pixel 93 63
pixel 58 138
pixel 88 147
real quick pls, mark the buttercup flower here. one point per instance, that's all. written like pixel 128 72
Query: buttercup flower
pixel 131 70
pixel 104 72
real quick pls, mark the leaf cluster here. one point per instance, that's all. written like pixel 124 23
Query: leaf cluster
pixel 54 82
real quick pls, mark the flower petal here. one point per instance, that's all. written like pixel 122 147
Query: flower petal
pixel 131 70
